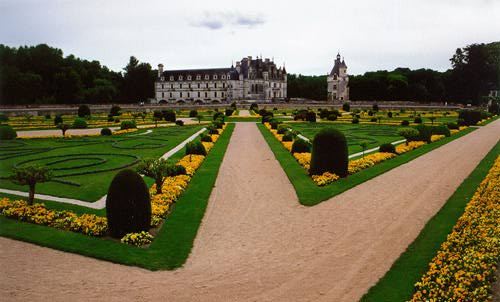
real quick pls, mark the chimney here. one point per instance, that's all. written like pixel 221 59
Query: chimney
pixel 267 60
pixel 249 58
pixel 160 70
pixel 238 66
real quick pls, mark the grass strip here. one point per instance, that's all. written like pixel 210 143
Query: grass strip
pixel 310 194
pixel 398 283
pixel 172 244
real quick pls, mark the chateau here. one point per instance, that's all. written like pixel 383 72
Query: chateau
pixel 337 81
pixel 250 79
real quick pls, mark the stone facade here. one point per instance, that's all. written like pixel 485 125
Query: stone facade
pixel 338 81
pixel 250 79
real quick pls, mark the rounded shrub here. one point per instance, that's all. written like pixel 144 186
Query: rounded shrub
pixel 329 153
pixel 128 125
pixel 311 116
pixel 405 123
pixel 346 107
pixel 218 115
pixel 229 112
pixel 206 138
pixel 355 120
pixel 3 118
pixel 387 147
pixel 332 117
pixel 83 111
pixel 282 129
pixel 128 206
pixel 266 118
pixel 301 146
pixel 274 123
pixel 193 113
pixel 441 130
pixel 424 133
pixel 106 131
pixel 115 110
pixel 288 137
pixel 373 119
pixel 179 122
pixel 7 132
pixel 212 129
pixel 169 115
pixel 79 123
pixel 389 114
pixel 58 119
pixel 469 117
pixel 418 120
pixel 195 147
pixel 452 125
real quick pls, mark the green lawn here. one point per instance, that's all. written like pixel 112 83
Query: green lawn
pixel 374 135
pixel 398 283
pixel 173 242
pixel 84 166
pixel 310 194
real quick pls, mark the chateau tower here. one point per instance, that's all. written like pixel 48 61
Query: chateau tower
pixel 338 81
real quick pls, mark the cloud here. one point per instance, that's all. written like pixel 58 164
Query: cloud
pixel 218 20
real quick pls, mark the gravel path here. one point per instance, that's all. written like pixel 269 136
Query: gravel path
pixel 256 243
pixel 244 112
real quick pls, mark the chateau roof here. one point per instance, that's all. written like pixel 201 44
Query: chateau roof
pixel 201 72
pixel 338 64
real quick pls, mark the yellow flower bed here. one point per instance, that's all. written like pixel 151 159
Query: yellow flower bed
pixel 288 145
pixel 173 186
pixel 403 148
pixel 464 267
pixel 368 161
pixel 436 137
pixel 137 239
pixel 37 213
pixel 304 159
pixel 125 131
pixel 325 178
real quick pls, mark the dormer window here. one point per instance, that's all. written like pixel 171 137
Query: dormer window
pixel 223 77
pixel 215 77
pixel 198 77
pixel 207 77
pixel 171 78
pixel 180 78
pixel 189 77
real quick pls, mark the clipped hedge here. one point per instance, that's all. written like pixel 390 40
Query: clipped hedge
pixel 329 153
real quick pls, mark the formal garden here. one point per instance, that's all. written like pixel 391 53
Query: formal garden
pixel 156 194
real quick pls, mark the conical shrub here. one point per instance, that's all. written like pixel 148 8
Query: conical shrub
pixel 329 153
pixel 128 206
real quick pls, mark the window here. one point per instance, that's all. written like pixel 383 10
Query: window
pixel 189 95
pixel 180 85
pixel 180 78
pixel 207 85
pixel 170 94
pixel 171 86
pixel 207 77
pixel 171 78
pixel 161 86
pixel 222 94
pixel 198 85
pixel 223 77
pixel 163 94
pixel 189 77
pixel 180 94
pixel 189 85
pixel 198 77
pixel 206 94
pixel 223 85
pixel 215 77
pixel 199 94
pixel 215 85
pixel 215 94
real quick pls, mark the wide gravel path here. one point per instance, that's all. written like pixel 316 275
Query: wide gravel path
pixel 256 243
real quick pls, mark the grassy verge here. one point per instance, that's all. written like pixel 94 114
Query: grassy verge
pixel 398 282
pixel 310 194
pixel 172 244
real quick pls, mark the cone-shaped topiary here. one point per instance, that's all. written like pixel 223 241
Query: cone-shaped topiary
pixel 301 146
pixel 128 207
pixel 329 153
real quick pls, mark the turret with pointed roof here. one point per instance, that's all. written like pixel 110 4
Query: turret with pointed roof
pixel 338 80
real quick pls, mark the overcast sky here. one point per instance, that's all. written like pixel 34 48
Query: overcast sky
pixel 306 35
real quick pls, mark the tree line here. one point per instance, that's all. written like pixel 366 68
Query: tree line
pixel 475 71
pixel 41 74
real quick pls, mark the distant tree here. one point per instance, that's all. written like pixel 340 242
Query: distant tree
pixel 199 117
pixel 158 169
pixel 63 127
pixel 138 81
pixel 83 111
pixel 31 175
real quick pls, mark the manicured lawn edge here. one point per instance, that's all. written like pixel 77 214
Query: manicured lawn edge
pixel 172 244
pixel 398 283
pixel 310 194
